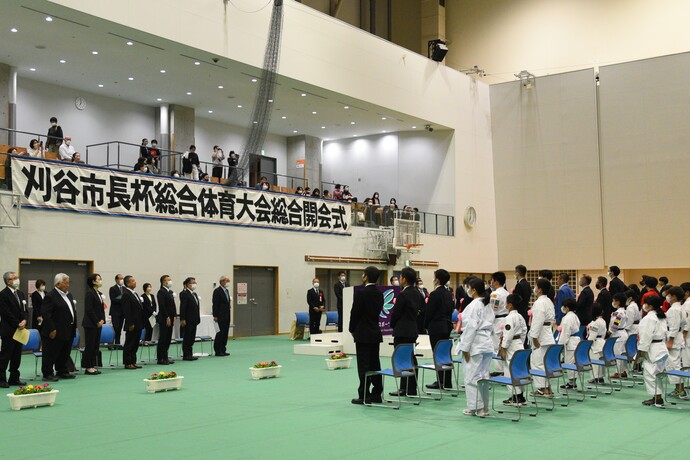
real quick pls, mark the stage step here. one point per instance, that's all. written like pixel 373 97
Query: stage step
pixel 317 349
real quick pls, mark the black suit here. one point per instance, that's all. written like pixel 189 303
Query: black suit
pixel 13 311
pixel 166 311
pixel 584 306
pixel 36 302
pixel 134 323
pixel 150 307
pixel 438 324
pixel 364 327
pixel 117 315
pixel 189 313
pixel 404 324
pixel 315 300
pixel 338 289
pixel 221 311
pixel 60 317
pixel 94 313
pixel 606 301
pixel 524 290
pixel 616 286
pixel 192 159
pixel 421 311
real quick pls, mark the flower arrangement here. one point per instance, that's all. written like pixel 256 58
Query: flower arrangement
pixel 265 364
pixel 339 356
pixel 162 376
pixel 33 389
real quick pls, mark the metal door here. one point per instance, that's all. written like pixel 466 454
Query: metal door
pixel 31 270
pixel 254 301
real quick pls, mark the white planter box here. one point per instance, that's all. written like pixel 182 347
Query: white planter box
pixel 18 402
pixel 265 372
pixel 153 386
pixel 334 364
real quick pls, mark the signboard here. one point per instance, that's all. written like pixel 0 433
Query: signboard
pixel 241 293
pixel 299 164
pixel 390 293
pixel 62 186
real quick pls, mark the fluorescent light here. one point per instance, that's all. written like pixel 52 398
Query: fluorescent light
pixel 346 107
pixel 239 106
pixel 100 85
pixel 197 63
pixel 270 101
pixel 254 80
pixel 256 122
pixel 220 86
pixel 323 127
pixel 159 99
pixel 354 135
pixel 49 19
pixel 162 70
pixel 32 69
pixel 303 94
pixel 210 111
pixel 94 52
pixel 130 78
pixel 294 131
pixel 130 43
pixel 14 30
pixel 383 131
pixel 414 127
pixel 283 117
pixel 313 113
pixel 383 118
pixel 189 93
pixel 352 122
pixel 62 61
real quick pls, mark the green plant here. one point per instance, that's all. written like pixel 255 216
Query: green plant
pixel 32 389
pixel 340 355
pixel 162 375
pixel 264 364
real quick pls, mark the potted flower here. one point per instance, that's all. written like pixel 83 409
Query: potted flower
pixel 338 361
pixel 163 381
pixel 32 396
pixel 265 370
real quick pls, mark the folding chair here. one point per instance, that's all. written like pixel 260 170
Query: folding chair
pixel 33 346
pixel 662 380
pixel 629 358
pixel 203 339
pixel 608 362
pixel 443 361
pixel 553 371
pixel 332 319
pixel 302 319
pixel 108 341
pixel 457 362
pixel 582 365
pixel 519 377
pixel 402 363
pixel 78 351
pixel 145 344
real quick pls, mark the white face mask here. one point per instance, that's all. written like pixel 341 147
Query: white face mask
pixel 193 287
pixel 316 285
pixel 563 310
pixel 42 288
pixel 99 284
pixel 668 299
pixel 647 308
pixel 421 287
pixel 121 283
pixel 15 283
pixel 342 278
pixel 53 124
pixel 176 175
pixel 68 142
pixel 396 283
pixel 169 284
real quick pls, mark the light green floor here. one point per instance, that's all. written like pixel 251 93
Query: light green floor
pixel 306 413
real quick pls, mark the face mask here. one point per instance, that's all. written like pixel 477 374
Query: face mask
pixel 176 175
pixel 154 145
pixel 169 284
pixel 668 299
pixel 396 283
pixel 264 187
pixel 563 310
pixel 53 124
pixel 68 142
pixel 535 291
pixel 421 287
pixel 316 285
pixel 193 287
pixel 99 284
pixel 342 278
pixel 15 283
pixel 493 289
pixel 121 283
pixel 42 288
pixel 647 308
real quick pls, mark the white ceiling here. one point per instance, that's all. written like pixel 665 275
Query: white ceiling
pixel 73 37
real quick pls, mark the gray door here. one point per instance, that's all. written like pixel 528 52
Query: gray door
pixel 32 270
pixel 254 311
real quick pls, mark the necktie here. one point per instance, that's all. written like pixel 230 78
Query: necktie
pixel 227 294
pixel 16 295
pixel 196 298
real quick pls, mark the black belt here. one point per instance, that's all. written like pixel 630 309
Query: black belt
pixel 547 324
pixel 657 341
pixel 636 322
pixel 621 328
pixel 517 337
pixel 501 316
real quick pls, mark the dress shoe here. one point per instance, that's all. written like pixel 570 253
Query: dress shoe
pixel 223 354
pixel 374 400
pixel 170 361
pixel 67 376
pixel 4 385
pixel 130 366
pixel 163 363
pixel 51 378
pixel 433 386
pixel 137 366
pixel 189 358
pixel 91 373
pixel 357 401
pixel 17 383
pixel 400 393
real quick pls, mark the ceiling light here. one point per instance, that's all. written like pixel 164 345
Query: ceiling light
pixel 313 113
pixel 255 122
pixel 239 106
pixel 130 43
pixel 323 127
pixel 197 63
pixel 32 69
pixel 303 94
pixel 354 135
pixel 254 80
pixel 210 111
pixel 346 107
pixel 14 30
pixel 383 131
pixel 94 52
pixel 383 118
pixel 414 127
pixel 162 70
pixel 62 61
pixel 283 117
pixel 49 19
pixel 130 78
pixel 270 101
pixel 220 86
pixel 100 86
pixel 352 122
pixel 189 93
pixel 294 131
pixel 159 99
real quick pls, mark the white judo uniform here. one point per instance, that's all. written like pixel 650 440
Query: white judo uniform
pixel 477 328
pixel 634 317
pixel 570 326
pixel 617 328
pixel 543 318
pixel 514 332
pixel 498 304
pixel 597 334
pixel 652 342
pixel 675 319
pixel 685 356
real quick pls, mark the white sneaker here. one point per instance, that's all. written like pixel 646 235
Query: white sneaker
pixel 469 412
pixel 483 412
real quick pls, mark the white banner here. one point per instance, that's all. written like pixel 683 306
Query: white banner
pixel 90 189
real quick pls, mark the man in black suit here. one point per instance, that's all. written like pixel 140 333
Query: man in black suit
pixel 316 307
pixel 165 318
pixel 364 327
pixel 404 323
pixel 58 330
pixel 523 289
pixel 221 315
pixel 585 301
pixel 117 316
pixel 189 318
pixel 437 321
pixel 134 322
pixel 604 298
pixel 190 163
pixel 616 285
pixel 338 289
pixel 13 316
pixel 421 311
pixel 548 274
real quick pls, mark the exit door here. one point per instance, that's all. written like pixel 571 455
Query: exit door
pixel 254 305
pixel 31 270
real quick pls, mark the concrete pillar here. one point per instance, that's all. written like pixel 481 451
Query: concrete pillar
pixel 5 102
pixel 181 127
pixel 163 135
pixel 433 23
pixel 304 160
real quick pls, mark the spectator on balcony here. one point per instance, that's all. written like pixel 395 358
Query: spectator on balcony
pixel 54 136
pixel 389 213
pixel 307 191
pixel 35 149
pixel 299 191
pixel 190 163
pixel 233 160
pixel 375 201
pixel 154 156
pixel 326 194
pixel 337 193
pixel 263 184
pixel 346 192
pixel 76 158
pixel 144 149
pixel 67 149
pixel 204 177
pixel 174 173
pixel 316 193
pixel 217 158
pixel 141 162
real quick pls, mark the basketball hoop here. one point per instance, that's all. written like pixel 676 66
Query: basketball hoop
pixel 413 247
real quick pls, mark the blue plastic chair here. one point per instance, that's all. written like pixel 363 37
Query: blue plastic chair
pixel 108 341
pixel 454 316
pixel 608 362
pixel 583 364
pixel 332 319
pixel 628 358
pixel 519 377
pixel 77 351
pixel 302 319
pixel 33 346
pixel 662 380
pixel 443 361
pixel 553 371
pixel 402 366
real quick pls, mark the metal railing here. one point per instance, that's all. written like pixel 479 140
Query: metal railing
pixel 383 216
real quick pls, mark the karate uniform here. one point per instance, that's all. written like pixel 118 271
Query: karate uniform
pixel 617 325
pixel 652 337
pixel 597 334
pixel 675 319
pixel 477 327
pixel 570 326
pixel 543 317
pixel 498 304
pixel 685 355
pixel 634 317
pixel 514 332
